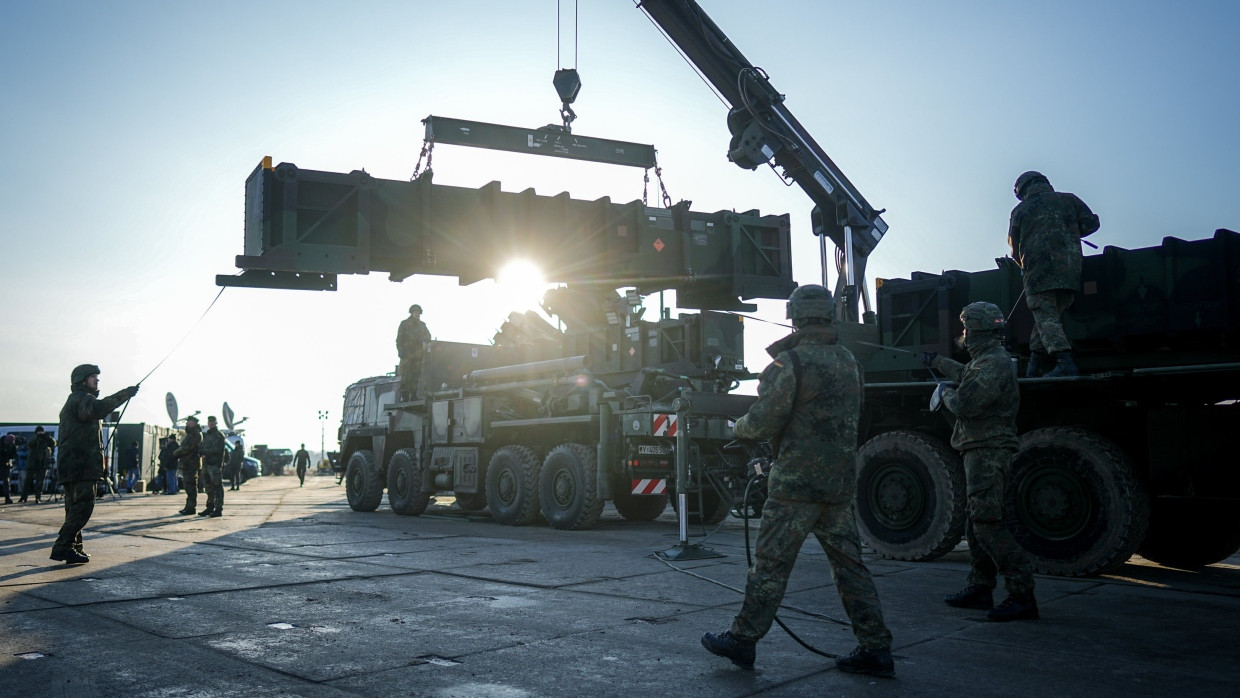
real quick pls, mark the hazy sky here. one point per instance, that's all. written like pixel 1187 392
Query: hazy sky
pixel 127 130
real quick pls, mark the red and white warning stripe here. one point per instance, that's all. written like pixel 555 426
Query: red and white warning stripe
pixel 649 486
pixel 665 425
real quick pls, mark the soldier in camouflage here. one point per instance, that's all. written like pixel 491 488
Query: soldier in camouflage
pixel 411 339
pixel 212 452
pixel 809 405
pixel 80 465
pixel 985 403
pixel 189 462
pixel 1045 236
pixel 38 458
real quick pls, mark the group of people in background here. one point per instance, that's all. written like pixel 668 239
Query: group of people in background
pixel 35 454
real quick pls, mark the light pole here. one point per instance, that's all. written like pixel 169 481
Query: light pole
pixel 322 430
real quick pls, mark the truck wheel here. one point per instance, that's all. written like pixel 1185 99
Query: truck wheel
pixel 910 496
pixel 364 487
pixel 1190 533
pixel 716 508
pixel 1078 509
pixel 568 488
pixel 408 494
pixel 512 485
pixel 636 507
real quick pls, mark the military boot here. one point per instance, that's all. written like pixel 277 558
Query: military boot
pixel 1065 366
pixel 1014 607
pixel 972 596
pixel 69 557
pixel 1039 362
pixel 741 652
pixel 872 662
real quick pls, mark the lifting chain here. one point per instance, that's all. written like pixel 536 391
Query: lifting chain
pixel 658 173
pixel 428 151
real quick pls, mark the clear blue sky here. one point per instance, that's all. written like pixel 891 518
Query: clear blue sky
pixel 128 129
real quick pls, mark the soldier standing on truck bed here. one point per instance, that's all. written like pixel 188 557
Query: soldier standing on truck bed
pixel 411 339
pixel 985 403
pixel 1045 236
pixel 809 406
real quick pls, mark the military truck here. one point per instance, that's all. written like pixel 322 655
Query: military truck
pixel 551 429
pixel 1139 454
pixel 273 459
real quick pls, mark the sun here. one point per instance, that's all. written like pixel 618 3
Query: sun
pixel 520 285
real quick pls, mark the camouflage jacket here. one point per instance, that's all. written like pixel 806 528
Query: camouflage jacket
pixel 187 453
pixel 301 458
pixel 39 453
pixel 410 338
pixel 81 437
pixel 212 447
pixel 985 400
pixel 810 414
pixel 1045 236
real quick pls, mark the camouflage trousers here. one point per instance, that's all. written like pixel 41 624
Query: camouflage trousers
pixel 409 371
pixel 785 525
pixel 213 486
pixel 79 505
pixel 189 480
pixel 1048 308
pixel 992 548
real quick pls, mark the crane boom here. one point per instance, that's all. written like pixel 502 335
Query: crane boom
pixel 765 131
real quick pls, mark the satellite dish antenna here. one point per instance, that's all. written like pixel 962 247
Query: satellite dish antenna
pixel 228 416
pixel 171 402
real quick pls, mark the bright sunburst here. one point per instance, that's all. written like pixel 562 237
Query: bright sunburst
pixel 520 285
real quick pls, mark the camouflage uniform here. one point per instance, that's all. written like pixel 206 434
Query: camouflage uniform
pixel 189 462
pixel 811 416
pixel 411 339
pixel 80 465
pixel 38 458
pixel 212 452
pixel 985 404
pixel 1045 236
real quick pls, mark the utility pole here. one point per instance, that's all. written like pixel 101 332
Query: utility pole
pixel 322 431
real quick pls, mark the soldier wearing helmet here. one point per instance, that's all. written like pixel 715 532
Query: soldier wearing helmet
pixel 190 462
pixel 80 463
pixel 1045 236
pixel 985 402
pixel 411 339
pixel 809 405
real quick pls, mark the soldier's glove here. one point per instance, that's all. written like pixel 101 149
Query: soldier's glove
pixel 927 358
pixel 131 391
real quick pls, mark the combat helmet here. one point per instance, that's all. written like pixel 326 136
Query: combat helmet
pixel 982 317
pixel 1025 180
pixel 81 373
pixel 810 302
pixel 415 308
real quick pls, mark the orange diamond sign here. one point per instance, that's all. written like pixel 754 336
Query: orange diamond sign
pixel 658 245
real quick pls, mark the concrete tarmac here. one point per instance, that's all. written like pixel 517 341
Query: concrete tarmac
pixel 290 593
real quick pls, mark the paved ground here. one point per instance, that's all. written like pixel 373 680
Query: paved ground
pixel 291 593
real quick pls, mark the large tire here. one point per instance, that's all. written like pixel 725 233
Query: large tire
pixel 568 488
pixel 512 485
pixel 1074 504
pixel 636 507
pixel 408 492
pixel 716 507
pixel 363 484
pixel 1189 533
pixel 911 497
